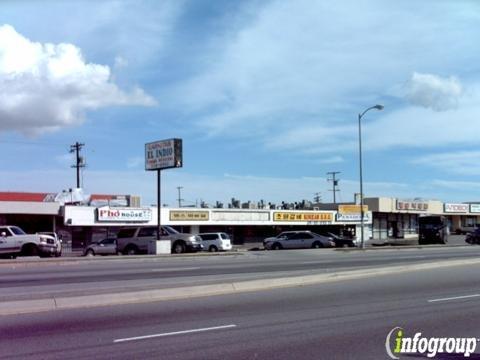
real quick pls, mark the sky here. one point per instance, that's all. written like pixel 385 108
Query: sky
pixel 265 94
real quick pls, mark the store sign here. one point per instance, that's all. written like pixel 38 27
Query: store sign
pixel 114 214
pixel 475 208
pixel 412 205
pixel 456 208
pixel 354 217
pixel 351 209
pixel 176 215
pixel 164 154
pixel 302 217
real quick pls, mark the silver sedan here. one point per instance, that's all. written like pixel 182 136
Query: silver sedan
pixel 297 240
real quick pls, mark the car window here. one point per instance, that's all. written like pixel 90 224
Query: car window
pixel 108 241
pixel 126 233
pixel 169 230
pixel 207 237
pixel 148 231
pixel 17 231
pixel 224 236
pixel 6 231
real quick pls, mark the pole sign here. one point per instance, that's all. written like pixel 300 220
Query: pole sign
pixel 163 154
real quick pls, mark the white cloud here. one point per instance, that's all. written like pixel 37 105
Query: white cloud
pixel 434 92
pixel 44 87
pixel 461 162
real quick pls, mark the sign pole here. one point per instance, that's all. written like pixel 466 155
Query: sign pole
pixel 159 205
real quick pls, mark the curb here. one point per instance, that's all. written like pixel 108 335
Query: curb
pixel 64 303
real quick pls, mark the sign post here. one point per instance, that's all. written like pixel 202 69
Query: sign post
pixel 159 155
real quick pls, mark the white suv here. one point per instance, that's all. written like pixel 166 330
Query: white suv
pixel 216 241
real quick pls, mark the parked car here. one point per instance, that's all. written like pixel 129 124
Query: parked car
pixel 106 246
pixel 58 242
pixel 473 238
pixel 134 240
pixel 15 242
pixel 341 241
pixel 297 240
pixel 218 241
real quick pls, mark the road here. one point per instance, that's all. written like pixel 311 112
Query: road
pixel 342 320
pixel 27 280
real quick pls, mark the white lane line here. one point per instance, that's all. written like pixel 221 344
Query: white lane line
pixel 176 269
pixel 455 298
pixel 175 333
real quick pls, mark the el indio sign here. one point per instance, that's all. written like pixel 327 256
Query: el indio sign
pixel 163 154
pixel 114 214
pixel 456 208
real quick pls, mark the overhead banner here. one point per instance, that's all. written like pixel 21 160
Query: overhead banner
pixel 456 208
pixel 114 214
pixel 178 215
pixel 302 217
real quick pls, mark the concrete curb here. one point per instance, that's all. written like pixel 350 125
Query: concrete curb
pixel 62 303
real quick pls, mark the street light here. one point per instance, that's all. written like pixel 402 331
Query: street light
pixel 378 107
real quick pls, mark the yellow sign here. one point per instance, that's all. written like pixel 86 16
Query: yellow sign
pixel 302 216
pixel 189 215
pixel 351 209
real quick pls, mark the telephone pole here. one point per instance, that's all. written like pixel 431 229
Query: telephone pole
pixel 79 163
pixel 334 182
pixel 179 188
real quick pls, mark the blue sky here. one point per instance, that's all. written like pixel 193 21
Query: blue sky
pixel 264 94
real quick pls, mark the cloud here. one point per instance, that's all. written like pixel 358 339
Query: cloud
pixel 434 92
pixel 45 87
pixel 461 162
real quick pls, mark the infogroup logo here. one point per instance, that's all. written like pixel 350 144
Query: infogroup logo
pixel 397 344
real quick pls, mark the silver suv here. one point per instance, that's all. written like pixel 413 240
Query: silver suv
pixel 134 240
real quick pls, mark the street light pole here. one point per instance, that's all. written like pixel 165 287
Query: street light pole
pixel 362 236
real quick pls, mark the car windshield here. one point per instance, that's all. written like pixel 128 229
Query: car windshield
pixel 170 230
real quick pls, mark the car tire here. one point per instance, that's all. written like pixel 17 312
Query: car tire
pixel 90 252
pixel 277 246
pixel 131 250
pixel 317 245
pixel 178 248
pixel 30 250
pixel 213 248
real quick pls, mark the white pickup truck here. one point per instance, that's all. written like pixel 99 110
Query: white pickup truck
pixel 15 242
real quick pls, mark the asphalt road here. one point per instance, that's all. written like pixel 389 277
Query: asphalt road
pixel 24 280
pixel 343 320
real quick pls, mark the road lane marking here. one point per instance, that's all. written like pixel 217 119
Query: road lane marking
pixel 175 269
pixel 455 298
pixel 175 333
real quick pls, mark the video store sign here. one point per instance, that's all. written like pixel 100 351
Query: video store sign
pixel 114 214
pixel 456 208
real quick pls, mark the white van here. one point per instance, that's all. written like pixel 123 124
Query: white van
pixel 216 241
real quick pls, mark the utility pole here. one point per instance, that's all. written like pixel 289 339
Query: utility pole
pixel 318 197
pixel 334 182
pixel 79 163
pixel 179 188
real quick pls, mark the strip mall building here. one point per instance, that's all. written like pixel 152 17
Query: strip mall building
pixel 386 219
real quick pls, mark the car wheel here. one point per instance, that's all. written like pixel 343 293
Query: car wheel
pixel 317 245
pixel 90 252
pixel 131 250
pixel 178 248
pixel 277 246
pixel 30 250
pixel 213 248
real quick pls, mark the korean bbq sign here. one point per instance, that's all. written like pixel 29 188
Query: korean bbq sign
pixel 123 214
pixel 163 154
